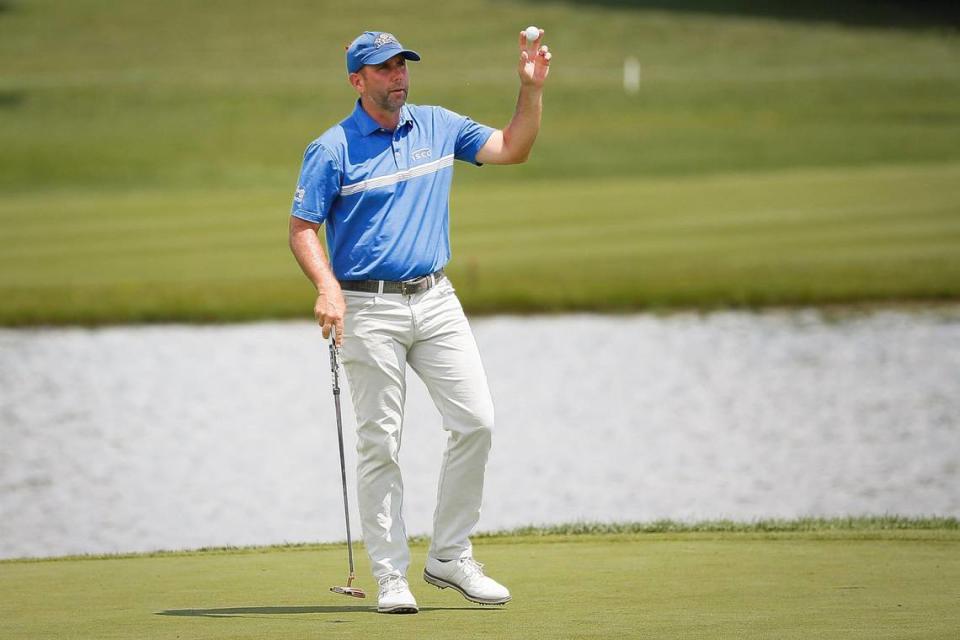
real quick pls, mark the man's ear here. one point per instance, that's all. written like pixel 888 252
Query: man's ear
pixel 356 80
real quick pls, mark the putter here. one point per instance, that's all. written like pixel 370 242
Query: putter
pixel 348 590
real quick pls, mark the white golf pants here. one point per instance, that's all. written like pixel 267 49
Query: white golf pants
pixel 429 331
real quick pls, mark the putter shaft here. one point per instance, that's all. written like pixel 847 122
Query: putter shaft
pixel 335 376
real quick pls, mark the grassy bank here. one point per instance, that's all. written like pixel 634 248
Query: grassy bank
pixel 797 237
pixel 832 579
pixel 151 149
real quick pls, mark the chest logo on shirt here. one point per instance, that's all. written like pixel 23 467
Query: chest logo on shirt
pixel 421 154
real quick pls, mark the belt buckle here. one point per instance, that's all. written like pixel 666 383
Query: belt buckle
pixel 410 287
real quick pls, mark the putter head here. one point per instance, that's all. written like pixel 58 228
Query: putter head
pixel 353 592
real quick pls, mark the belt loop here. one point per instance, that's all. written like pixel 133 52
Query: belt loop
pixel 380 288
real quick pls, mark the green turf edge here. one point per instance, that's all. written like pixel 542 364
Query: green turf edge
pixel 848 523
pixel 858 526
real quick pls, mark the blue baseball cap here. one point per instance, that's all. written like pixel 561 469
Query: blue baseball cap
pixel 374 47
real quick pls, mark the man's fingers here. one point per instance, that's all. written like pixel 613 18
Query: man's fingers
pixel 332 325
pixel 542 66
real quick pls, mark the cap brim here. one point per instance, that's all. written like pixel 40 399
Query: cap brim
pixel 385 54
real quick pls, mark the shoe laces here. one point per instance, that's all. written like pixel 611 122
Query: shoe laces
pixel 471 567
pixel 392 584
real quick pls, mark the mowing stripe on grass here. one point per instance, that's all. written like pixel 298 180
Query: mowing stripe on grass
pixel 793 237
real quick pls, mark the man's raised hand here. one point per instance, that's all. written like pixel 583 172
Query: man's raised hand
pixel 534 60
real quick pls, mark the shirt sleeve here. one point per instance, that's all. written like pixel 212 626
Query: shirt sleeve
pixel 318 186
pixel 471 136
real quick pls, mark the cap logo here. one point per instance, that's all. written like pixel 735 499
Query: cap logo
pixel 385 38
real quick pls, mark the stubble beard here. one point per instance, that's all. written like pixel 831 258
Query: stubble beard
pixel 392 101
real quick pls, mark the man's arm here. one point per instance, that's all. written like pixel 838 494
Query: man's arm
pixel 306 247
pixel 512 144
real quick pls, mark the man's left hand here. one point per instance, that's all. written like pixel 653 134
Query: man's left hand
pixel 534 61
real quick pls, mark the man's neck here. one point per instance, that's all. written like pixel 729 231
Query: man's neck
pixel 386 119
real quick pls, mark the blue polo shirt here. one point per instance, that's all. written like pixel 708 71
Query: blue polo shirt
pixel 385 195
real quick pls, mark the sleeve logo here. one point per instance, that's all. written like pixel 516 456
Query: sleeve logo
pixel 298 196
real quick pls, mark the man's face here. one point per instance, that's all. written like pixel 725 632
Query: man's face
pixel 385 84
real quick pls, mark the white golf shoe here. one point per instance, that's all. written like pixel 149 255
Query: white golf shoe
pixel 466 576
pixel 395 596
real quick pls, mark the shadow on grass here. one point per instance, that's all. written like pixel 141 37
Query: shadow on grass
pixel 11 99
pixel 238 612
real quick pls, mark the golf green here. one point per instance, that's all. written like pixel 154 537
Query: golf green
pixel 750 584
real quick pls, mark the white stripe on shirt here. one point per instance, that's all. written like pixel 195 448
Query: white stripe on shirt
pixel 400 176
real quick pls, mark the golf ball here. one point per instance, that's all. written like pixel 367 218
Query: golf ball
pixel 532 34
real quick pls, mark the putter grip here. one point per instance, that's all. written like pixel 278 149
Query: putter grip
pixel 334 362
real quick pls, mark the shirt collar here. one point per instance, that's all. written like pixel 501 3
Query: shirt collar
pixel 367 125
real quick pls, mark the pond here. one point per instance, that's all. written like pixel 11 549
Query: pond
pixel 168 437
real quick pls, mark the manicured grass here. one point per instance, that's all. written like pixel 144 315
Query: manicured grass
pixel 858 581
pixel 797 237
pixel 150 151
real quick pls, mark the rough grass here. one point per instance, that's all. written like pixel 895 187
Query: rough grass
pixel 150 151
pixel 764 525
pixel 870 525
pixel 848 578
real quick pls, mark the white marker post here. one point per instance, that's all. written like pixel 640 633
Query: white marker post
pixel 631 75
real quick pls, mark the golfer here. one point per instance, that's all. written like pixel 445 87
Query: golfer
pixel 380 182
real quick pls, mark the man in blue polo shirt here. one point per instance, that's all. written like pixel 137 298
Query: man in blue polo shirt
pixel 380 182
